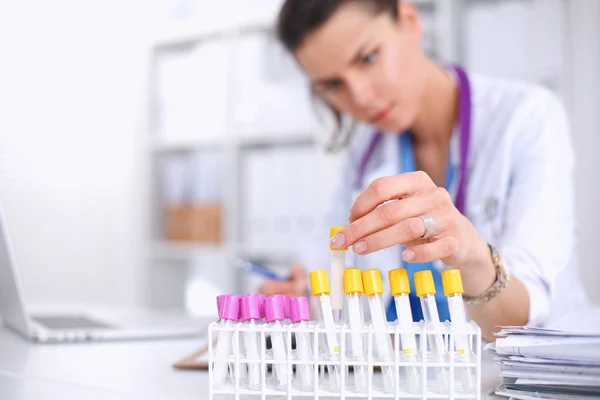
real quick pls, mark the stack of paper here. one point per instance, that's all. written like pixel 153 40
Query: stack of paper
pixel 549 363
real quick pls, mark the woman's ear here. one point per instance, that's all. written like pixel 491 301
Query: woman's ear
pixel 335 129
pixel 408 18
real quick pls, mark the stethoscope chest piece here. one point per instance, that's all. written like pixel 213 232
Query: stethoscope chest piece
pixel 491 208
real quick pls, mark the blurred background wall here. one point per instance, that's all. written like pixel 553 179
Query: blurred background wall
pixel 83 125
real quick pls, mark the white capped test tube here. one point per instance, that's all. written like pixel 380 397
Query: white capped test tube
pixel 250 315
pixel 274 317
pixel 374 291
pixel 299 315
pixel 338 264
pixel 228 307
pixel 426 292
pixel 453 289
pixel 353 287
pixel 319 283
pixel 400 288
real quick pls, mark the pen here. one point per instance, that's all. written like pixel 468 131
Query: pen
pixel 258 269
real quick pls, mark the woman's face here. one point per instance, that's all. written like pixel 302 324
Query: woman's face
pixel 368 65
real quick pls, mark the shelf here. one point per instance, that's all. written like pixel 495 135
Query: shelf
pixel 173 249
pixel 267 254
pixel 183 250
pixel 199 143
pixel 284 139
pixel 194 31
pixel 191 32
pixel 300 139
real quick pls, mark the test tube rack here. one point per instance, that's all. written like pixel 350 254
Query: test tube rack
pixel 427 367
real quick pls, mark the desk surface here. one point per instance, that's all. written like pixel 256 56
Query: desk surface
pixel 112 370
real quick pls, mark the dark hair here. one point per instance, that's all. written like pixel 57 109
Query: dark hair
pixel 299 18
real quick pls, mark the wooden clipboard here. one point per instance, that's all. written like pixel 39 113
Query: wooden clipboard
pixel 197 360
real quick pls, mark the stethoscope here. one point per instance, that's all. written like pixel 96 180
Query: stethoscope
pixel 464 122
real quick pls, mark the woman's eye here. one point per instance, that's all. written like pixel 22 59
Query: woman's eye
pixel 370 58
pixel 332 85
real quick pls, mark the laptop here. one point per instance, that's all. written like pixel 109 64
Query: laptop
pixel 71 324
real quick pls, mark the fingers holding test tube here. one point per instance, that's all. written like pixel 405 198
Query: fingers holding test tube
pixel 389 212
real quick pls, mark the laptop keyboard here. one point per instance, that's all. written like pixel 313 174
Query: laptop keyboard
pixel 71 322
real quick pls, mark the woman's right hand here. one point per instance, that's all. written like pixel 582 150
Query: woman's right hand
pixel 295 286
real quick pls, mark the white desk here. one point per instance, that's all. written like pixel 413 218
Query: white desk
pixel 110 371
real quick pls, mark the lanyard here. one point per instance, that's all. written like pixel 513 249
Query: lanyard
pixel 464 122
pixel 408 158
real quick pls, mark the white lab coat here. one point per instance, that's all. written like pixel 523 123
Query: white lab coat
pixel 520 192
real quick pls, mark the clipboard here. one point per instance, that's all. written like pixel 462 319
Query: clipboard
pixel 199 359
pixel 195 361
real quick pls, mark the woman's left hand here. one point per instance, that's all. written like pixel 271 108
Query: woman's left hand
pixel 376 222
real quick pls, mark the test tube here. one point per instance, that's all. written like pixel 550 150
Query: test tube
pixel 353 287
pixel 250 313
pixel 299 315
pixel 453 289
pixel 426 292
pixel 400 289
pixel 319 284
pixel 285 302
pixel 274 317
pixel 228 306
pixel 338 264
pixel 261 305
pixel 374 292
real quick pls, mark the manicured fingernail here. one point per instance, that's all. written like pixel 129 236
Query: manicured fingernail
pixel 337 241
pixel 359 247
pixel 349 216
pixel 408 255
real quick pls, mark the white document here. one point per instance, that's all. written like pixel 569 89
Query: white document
pixel 549 366
pixel 504 391
pixel 550 382
pixel 535 361
pixel 553 347
pixel 559 378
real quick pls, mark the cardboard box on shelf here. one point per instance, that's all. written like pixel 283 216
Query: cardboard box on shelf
pixel 194 223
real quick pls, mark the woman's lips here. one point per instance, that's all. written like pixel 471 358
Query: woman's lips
pixel 382 115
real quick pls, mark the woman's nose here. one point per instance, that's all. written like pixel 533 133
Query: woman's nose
pixel 361 93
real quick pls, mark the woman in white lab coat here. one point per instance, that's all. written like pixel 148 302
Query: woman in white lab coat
pixel 493 191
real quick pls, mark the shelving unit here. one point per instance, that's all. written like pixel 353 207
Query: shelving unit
pixel 233 144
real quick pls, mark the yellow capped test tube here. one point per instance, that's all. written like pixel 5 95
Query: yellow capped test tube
pixel 353 287
pixel 338 264
pixel 453 289
pixel 400 288
pixel 426 292
pixel 374 291
pixel 319 284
